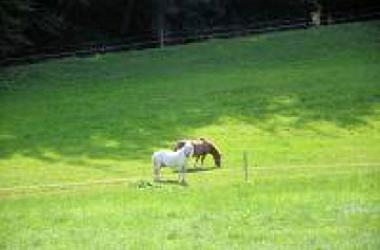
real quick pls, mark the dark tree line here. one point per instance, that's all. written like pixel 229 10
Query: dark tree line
pixel 41 24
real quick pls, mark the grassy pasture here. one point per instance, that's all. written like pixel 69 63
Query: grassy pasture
pixel 76 136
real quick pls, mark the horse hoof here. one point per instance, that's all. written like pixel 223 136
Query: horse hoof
pixel 183 183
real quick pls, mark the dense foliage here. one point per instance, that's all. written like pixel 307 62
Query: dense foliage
pixel 29 26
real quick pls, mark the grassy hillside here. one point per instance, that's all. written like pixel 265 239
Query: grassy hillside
pixel 304 105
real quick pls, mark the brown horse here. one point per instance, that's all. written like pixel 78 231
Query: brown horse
pixel 202 147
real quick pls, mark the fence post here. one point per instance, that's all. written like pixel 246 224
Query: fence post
pixel 245 165
pixel 162 38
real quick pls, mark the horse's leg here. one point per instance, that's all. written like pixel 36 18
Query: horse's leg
pixel 181 173
pixel 156 174
pixel 202 159
pixel 156 171
pixel 196 160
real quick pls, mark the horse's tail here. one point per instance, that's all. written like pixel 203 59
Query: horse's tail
pixel 176 146
pixel 179 145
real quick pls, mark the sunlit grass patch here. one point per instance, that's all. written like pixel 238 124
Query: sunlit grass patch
pixel 76 138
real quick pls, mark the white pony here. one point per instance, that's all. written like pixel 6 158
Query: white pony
pixel 172 159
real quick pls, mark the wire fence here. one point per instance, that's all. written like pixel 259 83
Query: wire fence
pixel 248 172
pixel 154 38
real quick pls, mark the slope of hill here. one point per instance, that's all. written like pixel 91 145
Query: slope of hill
pixel 304 105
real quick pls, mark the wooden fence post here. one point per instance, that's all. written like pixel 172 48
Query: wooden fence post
pixel 245 165
pixel 162 38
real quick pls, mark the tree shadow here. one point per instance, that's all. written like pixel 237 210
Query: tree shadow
pixel 125 107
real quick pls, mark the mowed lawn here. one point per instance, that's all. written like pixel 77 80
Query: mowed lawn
pixel 77 134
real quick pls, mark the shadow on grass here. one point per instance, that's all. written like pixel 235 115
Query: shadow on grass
pixel 172 182
pixel 125 108
pixel 199 169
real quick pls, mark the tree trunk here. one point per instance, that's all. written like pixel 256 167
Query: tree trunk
pixel 127 17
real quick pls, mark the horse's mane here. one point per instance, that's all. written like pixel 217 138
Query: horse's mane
pixel 214 148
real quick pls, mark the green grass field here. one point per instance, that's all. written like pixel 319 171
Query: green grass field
pixel 77 134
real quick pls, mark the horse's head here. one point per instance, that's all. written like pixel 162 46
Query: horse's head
pixel 188 149
pixel 217 160
pixel 216 154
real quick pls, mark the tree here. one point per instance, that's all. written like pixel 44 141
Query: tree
pixel 13 26
pixel 127 17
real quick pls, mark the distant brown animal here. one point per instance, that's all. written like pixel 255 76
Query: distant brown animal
pixel 202 147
